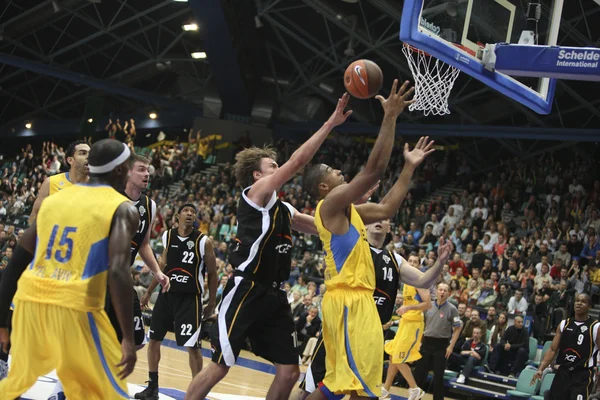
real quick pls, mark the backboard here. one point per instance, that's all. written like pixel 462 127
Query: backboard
pixel 456 32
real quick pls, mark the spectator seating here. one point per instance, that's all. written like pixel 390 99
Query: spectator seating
pixel 524 390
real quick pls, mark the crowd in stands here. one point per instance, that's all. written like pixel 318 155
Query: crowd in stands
pixel 525 234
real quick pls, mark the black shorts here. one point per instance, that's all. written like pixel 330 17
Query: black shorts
pixel 260 313
pixel 572 385
pixel 139 334
pixel 315 373
pixel 178 312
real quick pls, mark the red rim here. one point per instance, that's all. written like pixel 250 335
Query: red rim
pixel 413 48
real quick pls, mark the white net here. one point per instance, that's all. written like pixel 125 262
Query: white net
pixel 434 80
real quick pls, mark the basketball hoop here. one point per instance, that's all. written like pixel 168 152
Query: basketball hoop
pixel 434 80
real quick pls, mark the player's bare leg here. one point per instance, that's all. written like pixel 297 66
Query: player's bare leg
pixel 286 377
pixel 205 381
pixel 195 360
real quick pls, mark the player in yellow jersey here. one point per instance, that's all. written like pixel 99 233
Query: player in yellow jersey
pixel 79 242
pixel 352 330
pixel 76 156
pixel 404 348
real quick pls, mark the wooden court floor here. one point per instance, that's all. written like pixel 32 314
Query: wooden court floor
pixel 251 377
pixel 248 380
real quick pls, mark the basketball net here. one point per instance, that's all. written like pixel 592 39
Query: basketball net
pixel 434 80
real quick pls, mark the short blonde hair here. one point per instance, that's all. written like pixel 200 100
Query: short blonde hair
pixel 248 160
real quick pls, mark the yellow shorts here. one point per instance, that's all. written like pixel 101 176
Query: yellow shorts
pixel 81 346
pixel 407 342
pixel 353 340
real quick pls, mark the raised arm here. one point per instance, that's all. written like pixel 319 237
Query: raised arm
pixel 124 226
pixel 301 157
pixel 388 206
pixel 342 196
pixel 424 280
pixel 43 193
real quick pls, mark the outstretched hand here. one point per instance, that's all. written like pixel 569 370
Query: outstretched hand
pixel 419 153
pixel 397 101
pixel 444 249
pixel 339 116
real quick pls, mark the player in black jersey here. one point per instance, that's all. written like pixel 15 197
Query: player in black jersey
pixel 388 271
pixel 576 343
pixel 253 305
pixel 137 182
pixel 187 256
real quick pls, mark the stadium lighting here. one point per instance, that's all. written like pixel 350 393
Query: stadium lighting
pixel 180 1
pixel 90 120
pixel 198 55
pixel 190 27
pixel 28 125
pixel 152 115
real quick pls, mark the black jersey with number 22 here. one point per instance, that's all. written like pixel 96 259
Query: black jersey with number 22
pixel 185 261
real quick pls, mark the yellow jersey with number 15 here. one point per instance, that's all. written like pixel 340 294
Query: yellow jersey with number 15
pixel 70 265
pixel 59 182
pixel 348 259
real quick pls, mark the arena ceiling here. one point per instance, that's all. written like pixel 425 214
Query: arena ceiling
pixel 290 54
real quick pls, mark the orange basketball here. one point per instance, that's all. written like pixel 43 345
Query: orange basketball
pixel 363 79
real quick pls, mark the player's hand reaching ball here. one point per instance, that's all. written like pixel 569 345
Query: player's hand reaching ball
pixel 416 156
pixel 397 100
pixel 4 339
pixel 340 116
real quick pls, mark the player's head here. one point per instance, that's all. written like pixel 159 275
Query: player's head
pixel 582 303
pixel 321 179
pixel 139 172
pixel 377 232
pixel 109 162
pixel 187 215
pixel 77 156
pixel 254 163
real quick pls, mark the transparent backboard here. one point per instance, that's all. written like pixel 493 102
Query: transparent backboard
pixel 456 31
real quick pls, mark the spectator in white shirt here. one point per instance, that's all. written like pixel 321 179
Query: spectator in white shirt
pixel 576 187
pixel 493 234
pixel 479 209
pixel 577 231
pixel 593 222
pixel 450 219
pixel 436 226
pixel 517 304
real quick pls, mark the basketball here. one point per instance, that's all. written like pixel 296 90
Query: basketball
pixel 363 79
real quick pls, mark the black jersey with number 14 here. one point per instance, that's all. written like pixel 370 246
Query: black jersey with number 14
pixel 185 261
pixel 387 271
